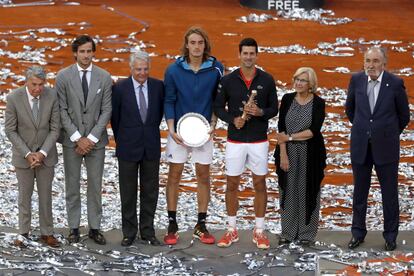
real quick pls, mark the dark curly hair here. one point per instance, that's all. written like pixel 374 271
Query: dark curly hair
pixel 80 40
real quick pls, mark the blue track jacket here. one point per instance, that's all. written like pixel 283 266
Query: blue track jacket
pixel 187 91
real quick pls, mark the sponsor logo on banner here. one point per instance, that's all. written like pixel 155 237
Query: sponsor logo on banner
pixel 282 4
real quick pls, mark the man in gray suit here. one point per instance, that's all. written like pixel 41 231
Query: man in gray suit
pixel 32 126
pixel 84 92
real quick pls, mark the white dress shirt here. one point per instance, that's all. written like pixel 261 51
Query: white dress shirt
pixel 377 86
pixel 88 73
pixel 30 98
pixel 144 90
pixel 76 136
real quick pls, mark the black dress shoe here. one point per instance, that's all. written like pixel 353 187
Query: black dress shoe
pixel 283 241
pixel 97 236
pixel 390 245
pixel 354 243
pixel 74 236
pixel 152 240
pixel 127 241
pixel 306 242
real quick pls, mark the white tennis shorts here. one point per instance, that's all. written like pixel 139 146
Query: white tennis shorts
pixel 176 153
pixel 240 156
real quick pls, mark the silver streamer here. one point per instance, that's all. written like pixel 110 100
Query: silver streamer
pixel 50 261
pixel 5 2
pixel 403 72
pixel 10 4
pixel 343 70
pixel 342 47
pixel 299 49
pixel 408 71
pixel 308 258
pixel 257 18
pixel 231 34
pixel 336 131
pixel 317 15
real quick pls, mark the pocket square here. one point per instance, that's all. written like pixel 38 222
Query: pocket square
pixel 99 91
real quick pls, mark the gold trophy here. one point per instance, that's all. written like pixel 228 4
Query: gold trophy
pixel 249 102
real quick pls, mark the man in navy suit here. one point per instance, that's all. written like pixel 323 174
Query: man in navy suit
pixel 136 116
pixel 377 107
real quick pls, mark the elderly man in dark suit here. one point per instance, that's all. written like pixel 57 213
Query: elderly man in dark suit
pixel 377 107
pixel 32 126
pixel 84 92
pixel 137 104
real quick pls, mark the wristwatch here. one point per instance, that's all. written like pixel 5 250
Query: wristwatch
pixel 290 138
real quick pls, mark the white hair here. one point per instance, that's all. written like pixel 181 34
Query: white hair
pixel 382 50
pixel 35 71
pixel 138 55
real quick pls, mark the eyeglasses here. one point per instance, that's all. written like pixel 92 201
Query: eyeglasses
pixel 300 80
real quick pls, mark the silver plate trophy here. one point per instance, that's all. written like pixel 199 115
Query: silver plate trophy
pixel 194 129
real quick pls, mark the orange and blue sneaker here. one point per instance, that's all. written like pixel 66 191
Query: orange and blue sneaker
pixel 172 236
pixel 260 239
pixel 228 238
pixel 201 233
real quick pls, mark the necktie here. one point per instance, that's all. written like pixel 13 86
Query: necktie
pixel 35 108
pixel 85 85
pixel 142 104
pixel 371 94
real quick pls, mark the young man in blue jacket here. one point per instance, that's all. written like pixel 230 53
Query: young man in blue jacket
pixel 190 86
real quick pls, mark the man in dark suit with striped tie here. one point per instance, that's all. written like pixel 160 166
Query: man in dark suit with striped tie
pixel 137 104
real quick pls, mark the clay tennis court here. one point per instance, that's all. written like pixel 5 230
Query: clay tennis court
pixel 158 27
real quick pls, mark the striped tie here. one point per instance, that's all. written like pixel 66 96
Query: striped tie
pixel 371 94
pixel 142 104
pixel 35 108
